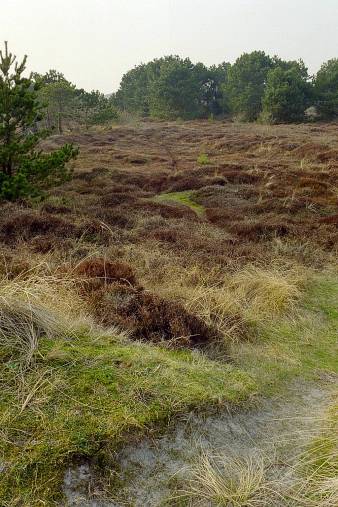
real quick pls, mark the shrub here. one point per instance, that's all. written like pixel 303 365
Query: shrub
pixel 149 317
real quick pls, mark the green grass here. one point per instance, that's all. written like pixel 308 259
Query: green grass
pixel 304 344
pixel 83 397
pixel 181 198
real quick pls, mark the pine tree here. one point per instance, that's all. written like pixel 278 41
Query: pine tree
pixel 24 169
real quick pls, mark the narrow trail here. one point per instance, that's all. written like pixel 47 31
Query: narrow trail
pixel 276 430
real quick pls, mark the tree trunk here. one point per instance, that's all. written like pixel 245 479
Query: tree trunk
pixel 60 122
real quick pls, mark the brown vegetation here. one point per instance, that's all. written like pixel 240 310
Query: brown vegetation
pixel 149 317
pixel 267 194
pixel 97 272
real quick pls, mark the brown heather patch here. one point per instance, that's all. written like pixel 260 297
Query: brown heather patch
pixel 220 217
pixel 186 182
pixel 55 209
pixel 97 272
pixel 146 316
pixel 167 235
pixel 24 225
pixel 119 216
pixel 13 266
pixel 166 211
pixel 116 198
pixel 256 230
pixel 332 219
pixel 313 183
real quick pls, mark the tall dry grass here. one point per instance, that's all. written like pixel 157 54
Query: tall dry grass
pixel 229 300
pixel 33 305
pixel 233 482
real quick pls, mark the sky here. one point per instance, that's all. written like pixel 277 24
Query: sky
pixel 94 42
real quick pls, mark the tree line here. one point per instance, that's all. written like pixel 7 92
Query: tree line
pixel 67 106
pixel 256 87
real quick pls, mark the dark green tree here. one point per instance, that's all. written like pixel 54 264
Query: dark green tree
pixel 171 87
pixel 218 100
pixel 287 94
pixel 180 90
pixel 326 89
pixel 133 93
pixel 25 169
pixel 95 108
pixel 246 84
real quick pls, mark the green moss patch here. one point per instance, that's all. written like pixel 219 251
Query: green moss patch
pixel 184 198
pixel 85 396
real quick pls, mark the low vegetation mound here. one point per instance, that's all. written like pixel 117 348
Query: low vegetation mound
pixel 146 316
pixel 98 272
pixel 112 292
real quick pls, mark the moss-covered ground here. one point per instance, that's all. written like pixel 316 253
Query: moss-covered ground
pixel 184 197
pixel 84 396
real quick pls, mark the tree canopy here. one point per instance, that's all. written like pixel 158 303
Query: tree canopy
pixel 326 89
pixel 287 94
pixel 246 84
pixel 256 86
pixel 172 87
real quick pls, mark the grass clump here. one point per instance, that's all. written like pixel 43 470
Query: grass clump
pixel 203 159
pixel 83 397
pixel 31 306
pixel 184 197
pixel 319 486
pixel 234 303
pixel 235 483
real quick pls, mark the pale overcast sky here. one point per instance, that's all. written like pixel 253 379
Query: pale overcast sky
pixel 94 42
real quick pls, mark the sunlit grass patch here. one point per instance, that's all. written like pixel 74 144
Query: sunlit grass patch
pixel 302 343
pixel 181 198
pixel 203 159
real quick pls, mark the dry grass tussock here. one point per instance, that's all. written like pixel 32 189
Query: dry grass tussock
pixel 231 483
pixel 35 305
pixel 319 465
pixel 308 479
pixel 227 300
